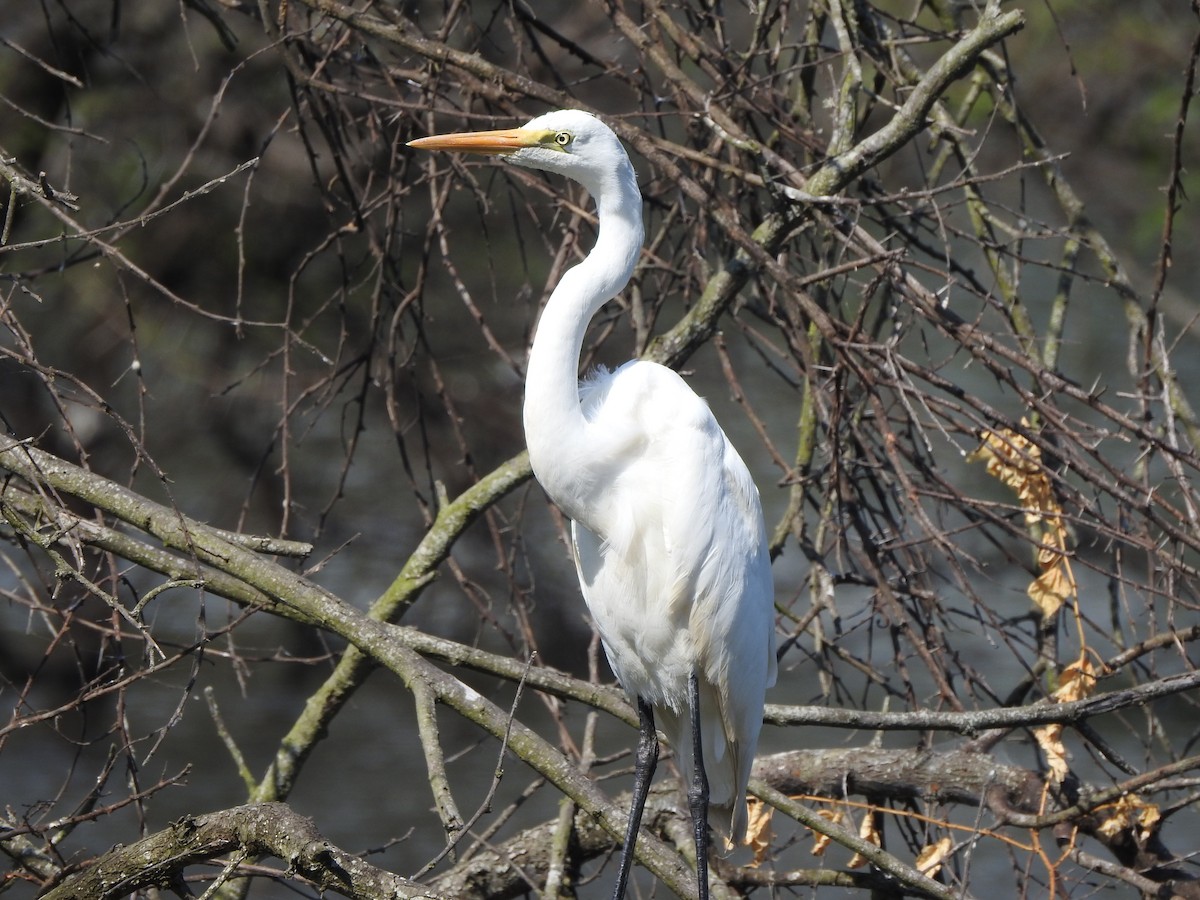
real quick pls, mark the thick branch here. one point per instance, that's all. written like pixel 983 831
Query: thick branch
pixel 259 829
pixel 1017 796
pixel 905 774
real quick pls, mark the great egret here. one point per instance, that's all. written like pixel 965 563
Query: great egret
pixel 669 540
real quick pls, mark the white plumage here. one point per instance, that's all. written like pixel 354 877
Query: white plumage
pixel 673 564
pixel 669 540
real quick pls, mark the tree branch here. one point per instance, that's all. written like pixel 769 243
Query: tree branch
pixel 259 829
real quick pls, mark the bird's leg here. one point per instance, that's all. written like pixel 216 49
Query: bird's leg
pixel 698 791
pixel 643 771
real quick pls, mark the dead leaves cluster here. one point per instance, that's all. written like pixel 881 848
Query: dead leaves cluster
pixel 758 836
pixel 1016 462
pixel 868 830
pixel 1133 814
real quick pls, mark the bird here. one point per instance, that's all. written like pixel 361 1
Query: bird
pixel 667 527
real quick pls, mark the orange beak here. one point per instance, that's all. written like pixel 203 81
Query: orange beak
pixel 504 141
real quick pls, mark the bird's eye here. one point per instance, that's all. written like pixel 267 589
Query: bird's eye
pixel 563 138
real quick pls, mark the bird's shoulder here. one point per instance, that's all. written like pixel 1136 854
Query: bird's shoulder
pixel 666 440
pixel 644 394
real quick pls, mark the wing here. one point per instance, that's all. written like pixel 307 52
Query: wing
pixel 673 562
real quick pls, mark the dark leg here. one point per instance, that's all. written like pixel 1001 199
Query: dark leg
pixel 643 771
pixel 698 791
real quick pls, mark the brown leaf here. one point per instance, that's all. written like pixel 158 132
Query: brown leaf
pixel 1049 738
pixel 1016 463
pixel 1076 681
pixel 821 841
pixel 758 830
pixel 868 831
pixel 1128 813
pixel 1049 591
pixel 930 859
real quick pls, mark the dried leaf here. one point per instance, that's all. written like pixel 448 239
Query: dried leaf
pixel 820 841
pixel 1049 738
pixel 1016 463
pixel 1076 682
pixel 1010 457
pixel 1148 821
pixel 868 831
pixel 758 830
pixel 1048 559
pixel 1049 591
pixel 930 859
pixel 1130 813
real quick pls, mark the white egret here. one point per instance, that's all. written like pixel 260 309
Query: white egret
pixel 668 530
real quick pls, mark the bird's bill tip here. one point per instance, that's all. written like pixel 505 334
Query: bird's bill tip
pixel 507 140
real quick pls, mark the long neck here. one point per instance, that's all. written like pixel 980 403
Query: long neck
pixel 555 429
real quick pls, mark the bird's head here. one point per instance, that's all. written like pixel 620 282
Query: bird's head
pixel 568 142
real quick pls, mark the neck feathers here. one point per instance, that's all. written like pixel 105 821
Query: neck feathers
pixel 555 429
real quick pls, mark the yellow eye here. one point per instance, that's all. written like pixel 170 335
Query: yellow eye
pixel 563 138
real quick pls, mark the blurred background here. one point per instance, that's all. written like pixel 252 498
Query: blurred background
pixel 258 307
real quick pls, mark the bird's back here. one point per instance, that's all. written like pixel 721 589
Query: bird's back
pixel 673 564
